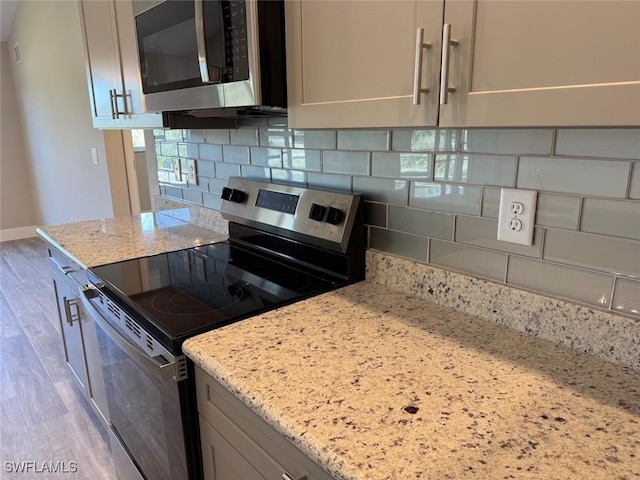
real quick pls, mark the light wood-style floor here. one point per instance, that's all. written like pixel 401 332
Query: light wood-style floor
pixel 43 416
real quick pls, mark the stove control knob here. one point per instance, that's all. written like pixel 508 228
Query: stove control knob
pixel 317 212
pixel 233 195
pixel 335 216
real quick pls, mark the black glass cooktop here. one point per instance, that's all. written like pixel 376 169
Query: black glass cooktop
pixel 180 294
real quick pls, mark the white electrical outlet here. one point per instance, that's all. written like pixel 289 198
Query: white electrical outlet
pixel 517 215
pixel 192 172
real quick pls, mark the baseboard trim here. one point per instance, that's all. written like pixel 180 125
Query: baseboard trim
pixel 17 233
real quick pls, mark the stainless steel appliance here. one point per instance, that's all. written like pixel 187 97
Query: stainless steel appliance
pixel 212 57
pixel 286 243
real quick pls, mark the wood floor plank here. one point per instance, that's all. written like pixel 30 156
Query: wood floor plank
pixel 35 399
pixel 43 416
pixel 47 344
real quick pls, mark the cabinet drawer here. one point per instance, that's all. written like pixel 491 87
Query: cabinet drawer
pixel 73 273
pixel 266 449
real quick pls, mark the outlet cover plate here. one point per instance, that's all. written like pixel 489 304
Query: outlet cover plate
pixel 528 198
pixel 192 172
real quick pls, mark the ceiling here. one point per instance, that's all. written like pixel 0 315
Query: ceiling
pixel 7 11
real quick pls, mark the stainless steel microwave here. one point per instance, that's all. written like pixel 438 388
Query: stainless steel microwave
pixel 206 57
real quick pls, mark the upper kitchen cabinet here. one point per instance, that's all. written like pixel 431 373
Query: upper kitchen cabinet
pixel 532 63
pixel 353 64
pixel 113 74
pixel 490 63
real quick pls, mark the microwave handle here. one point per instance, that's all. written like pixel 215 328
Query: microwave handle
pixel 202 46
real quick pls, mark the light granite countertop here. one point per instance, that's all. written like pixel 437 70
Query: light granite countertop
pixel 98 242
pixel 374 384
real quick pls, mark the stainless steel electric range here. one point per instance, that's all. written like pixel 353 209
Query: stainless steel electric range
pixel 286 243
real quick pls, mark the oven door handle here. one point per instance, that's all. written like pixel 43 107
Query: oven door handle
pixel 159 370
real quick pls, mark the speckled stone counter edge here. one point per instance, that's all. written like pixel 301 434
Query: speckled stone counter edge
pixel 200 216
pixel 615 338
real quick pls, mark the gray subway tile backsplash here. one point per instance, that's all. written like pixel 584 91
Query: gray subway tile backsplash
pixel 244 136
pixel 581 285
pixel 473 260
pixel 560 211
pixel 266 157
pixel 634 186
pixel 320 139
pixel 421 222
pixel 611 217
pixel 385 190
pixel 301 159
pixel 351 163
pixel 218 137
pixel 432 194
pixel 627 296
pixel 404 244
pixel 476 169
pixel 235 154
pixel 329 181
pixel 210 152
pixel 507 141
pixel 482 232
pixel 446 197
pixel 363 140
pixel 609 254
pixel 608 143
pixel 402 165
pixel 570 175
pixel 375 214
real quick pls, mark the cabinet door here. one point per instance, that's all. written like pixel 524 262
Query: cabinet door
pixel 533 63
pixel 71 328
pixel 220 460
pixel 352 63
pixel 112 70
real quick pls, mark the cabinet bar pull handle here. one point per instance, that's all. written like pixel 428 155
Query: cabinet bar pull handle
pixel 417 71
pixel 286 476
pixel 447 43
pixel 112 97
pixel 200 40
pixel 67 310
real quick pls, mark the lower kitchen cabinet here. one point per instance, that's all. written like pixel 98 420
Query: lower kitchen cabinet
pixel 238 444
pixel 79 338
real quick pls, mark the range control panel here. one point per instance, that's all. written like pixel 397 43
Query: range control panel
pixel 325 215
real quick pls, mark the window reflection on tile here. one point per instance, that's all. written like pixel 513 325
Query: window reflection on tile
pixel 169 149
pixel 269 157
pixel 301 159
pixel 288 176
pixel 276 137
pixel 173 135
pixel 363 140
pixel 477 169
pixel 446 197
pixel 322 139
pixel 401 165
pixel 429 140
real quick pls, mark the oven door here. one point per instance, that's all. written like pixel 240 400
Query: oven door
pixel 189 51
pixel 143 398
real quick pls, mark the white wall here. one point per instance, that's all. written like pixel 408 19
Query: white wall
pixel 52 96
pixel 17 212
